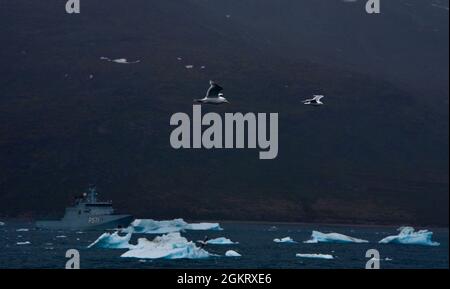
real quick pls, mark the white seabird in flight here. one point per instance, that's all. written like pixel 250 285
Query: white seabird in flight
pixel 213 95
pixel 314 101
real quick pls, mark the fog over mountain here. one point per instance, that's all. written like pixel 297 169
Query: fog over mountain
pixel 377 152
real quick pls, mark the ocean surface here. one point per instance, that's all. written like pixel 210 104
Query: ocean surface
pixel 46 249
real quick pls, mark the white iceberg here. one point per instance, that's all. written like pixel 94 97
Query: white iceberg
pixel 170 246
pixel 149 226
pixel 221 241
pixel 119 60
pixel 318 237
pixel 232 253
pixel 272 229
pixel 112 241
pixel 22 230
pixel 23 243
pixel 316 256
pixel 284 240
pixel 407 235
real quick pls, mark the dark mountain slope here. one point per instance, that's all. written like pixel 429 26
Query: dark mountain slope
pixel 376 152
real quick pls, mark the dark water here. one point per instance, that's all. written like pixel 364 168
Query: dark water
pixel 47 248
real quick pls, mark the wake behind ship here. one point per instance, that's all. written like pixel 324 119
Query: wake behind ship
pixel 88 214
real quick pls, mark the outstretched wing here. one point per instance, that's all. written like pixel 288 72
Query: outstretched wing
pixel 213 90
pixel 318 97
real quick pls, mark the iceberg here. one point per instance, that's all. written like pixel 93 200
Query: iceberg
pixel 407 235
pixel 284 240
pixel 119 60
pixel 149 226
pixel 316 256
pixel 232 253
pixel 221 241
pixel 23 243
pixel 170 246
pixel 318 237
pixel 112 241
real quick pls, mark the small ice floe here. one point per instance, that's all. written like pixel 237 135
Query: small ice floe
pixel 79 232
pixel 119 60
pixel 284 240
pixel 22 230
pixel 112 241
pixel 189 66
pixel 272 229
pixel 149 226
pixel 315 256
pixel 221 241
pixel 170 246
pixel 23 243
pixel 318 237
pixel 179 58
pixel 61 236
pixel 232 253
pixel 202 67
pixel 408 236
pixel 91 76
pixel 2 223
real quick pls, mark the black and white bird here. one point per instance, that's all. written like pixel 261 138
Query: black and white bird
pixel 213 95
pixel 316 100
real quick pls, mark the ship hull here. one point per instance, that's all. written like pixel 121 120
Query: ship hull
pixel 100 222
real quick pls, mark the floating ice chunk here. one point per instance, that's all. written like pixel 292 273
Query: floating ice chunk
pixel 272 229
pixel 23 243
pixel 2 223
pixel 204 226
pixel 318 237
pixel 190 66
pixel 284 240
pixel 149 226
pixel 119 60
pixel 407 235
pixel 316 256
pixel 61 236
pixel 179 58
pixel 232 253
pixel 124 61
pixel 112 241
pixel 221 241
pixel 22 230
pixel 170 246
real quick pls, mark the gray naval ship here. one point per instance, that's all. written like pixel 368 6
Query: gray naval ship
pixel 88 214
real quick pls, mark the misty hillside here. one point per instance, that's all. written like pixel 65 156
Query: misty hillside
pixel 377 152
